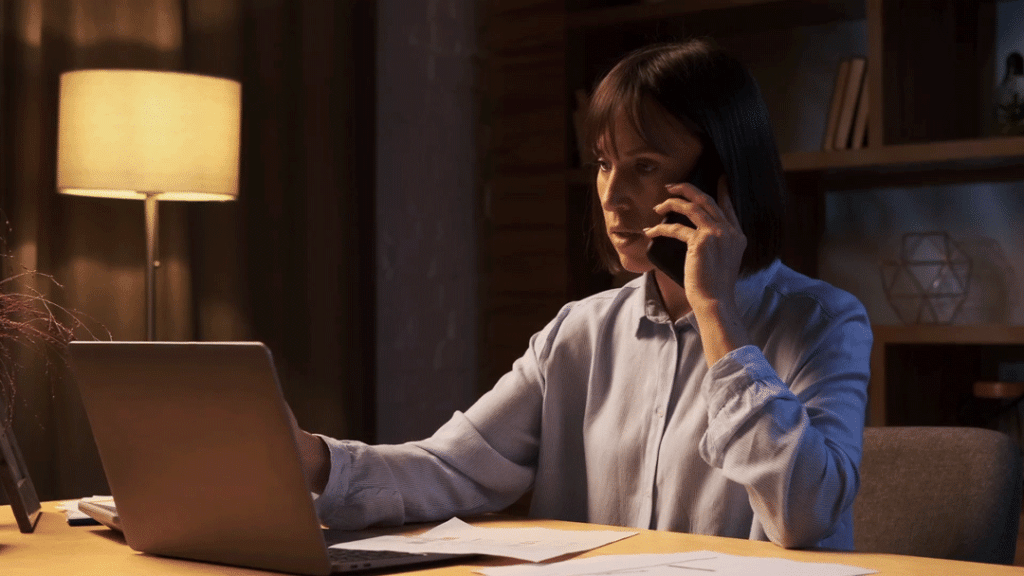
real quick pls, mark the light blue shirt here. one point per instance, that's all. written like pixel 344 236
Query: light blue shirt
pixel 612 416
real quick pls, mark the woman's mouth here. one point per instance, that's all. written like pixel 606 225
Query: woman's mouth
pixel 623 237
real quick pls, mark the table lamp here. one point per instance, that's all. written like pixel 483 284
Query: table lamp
pixel 149 136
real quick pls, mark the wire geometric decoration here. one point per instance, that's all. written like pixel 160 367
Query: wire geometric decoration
pixel 930 281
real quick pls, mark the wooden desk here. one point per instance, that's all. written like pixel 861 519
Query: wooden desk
pixel 58 549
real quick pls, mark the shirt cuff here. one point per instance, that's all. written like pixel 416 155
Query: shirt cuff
pixel 337 481
pixel 734 373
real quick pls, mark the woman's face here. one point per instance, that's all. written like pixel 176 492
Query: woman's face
pixel 631 181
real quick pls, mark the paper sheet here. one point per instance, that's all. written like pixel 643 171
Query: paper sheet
pixel 457 537
pixel 700 563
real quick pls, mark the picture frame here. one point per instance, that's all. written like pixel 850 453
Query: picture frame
pixel 14 477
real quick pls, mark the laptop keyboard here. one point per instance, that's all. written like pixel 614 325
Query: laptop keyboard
pixel 364 558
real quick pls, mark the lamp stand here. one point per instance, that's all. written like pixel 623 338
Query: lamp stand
pixel 152 231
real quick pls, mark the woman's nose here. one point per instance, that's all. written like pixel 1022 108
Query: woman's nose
pixel 613 190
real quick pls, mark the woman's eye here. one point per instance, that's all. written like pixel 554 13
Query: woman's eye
pixel 603 165
pixel 646 167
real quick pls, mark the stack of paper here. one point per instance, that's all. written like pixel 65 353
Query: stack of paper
pixel 540 544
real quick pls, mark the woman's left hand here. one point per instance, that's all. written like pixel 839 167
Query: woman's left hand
pixel 714 248
pixel 714 251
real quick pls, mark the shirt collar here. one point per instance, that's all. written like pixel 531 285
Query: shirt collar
pixel 653 306
pixel 649 305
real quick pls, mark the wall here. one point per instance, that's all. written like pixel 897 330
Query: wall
pixel 426 225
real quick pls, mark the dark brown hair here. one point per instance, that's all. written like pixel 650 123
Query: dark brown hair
pixel 714 95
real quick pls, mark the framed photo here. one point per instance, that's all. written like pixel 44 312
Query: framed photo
pixel 14 477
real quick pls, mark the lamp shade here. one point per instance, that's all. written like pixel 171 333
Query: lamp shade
pixel 133 133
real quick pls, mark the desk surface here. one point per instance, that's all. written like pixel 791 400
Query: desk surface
pixel 56 548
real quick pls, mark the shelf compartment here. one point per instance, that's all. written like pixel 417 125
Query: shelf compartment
pixel 922 374
pixel 936 79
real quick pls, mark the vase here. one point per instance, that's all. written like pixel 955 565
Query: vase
pixel 1009 106
pixel 930 281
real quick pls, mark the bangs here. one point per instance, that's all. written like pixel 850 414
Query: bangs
pixel 627 93
pixel 615 95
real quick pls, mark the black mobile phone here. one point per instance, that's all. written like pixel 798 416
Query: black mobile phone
pixel 669 254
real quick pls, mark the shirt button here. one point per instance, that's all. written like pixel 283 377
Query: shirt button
pixel 661 412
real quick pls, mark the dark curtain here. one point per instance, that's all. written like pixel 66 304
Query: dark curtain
pixel 307 70
pixel 290 263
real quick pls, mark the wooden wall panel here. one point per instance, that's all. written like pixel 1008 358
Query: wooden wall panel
pixel 523 222
pixel 517 201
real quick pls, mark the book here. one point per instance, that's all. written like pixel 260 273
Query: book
pixel 838 89
pixel 852 91
pixel 860 122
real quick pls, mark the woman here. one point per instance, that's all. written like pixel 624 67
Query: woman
pixel 732 404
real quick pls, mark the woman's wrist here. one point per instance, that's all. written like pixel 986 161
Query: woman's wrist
pixel 316 460
pixel 721 330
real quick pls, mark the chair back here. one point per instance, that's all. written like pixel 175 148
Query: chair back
pixel 939 492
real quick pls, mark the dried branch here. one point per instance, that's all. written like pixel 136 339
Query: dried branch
pixel 31 325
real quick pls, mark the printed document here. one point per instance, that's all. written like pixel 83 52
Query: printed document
pixel 457 537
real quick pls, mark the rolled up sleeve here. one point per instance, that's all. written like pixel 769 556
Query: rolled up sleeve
pixel 795 446
pixel 480 461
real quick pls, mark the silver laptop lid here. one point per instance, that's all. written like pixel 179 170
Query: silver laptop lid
pixel 199 454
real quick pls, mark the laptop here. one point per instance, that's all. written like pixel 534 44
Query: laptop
pixel 199 455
